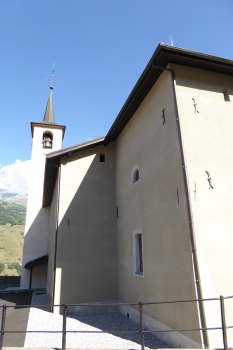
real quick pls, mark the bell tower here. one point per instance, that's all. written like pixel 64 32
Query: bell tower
pixel 47 137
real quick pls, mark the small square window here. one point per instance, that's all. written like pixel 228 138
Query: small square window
pixel 138 252
pixel 102 157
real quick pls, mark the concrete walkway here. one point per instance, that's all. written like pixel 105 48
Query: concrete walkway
pixel 87 349
pixel 16 319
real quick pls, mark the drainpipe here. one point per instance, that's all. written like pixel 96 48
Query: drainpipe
pixel 190 215
pixel 30 281
pixel 56 235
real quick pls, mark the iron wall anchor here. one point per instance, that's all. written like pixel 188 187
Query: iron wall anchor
pixel 209 180
pixel 195 105
pixel 163 116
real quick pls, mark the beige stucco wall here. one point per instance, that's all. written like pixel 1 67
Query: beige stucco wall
pixel 151 205
pixel 37 226
pixel 52 236
pixel 87 250
pixel 208 142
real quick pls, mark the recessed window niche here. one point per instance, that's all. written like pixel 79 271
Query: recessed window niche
pixel 135 174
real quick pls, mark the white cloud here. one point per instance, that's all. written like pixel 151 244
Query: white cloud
pixel 14 177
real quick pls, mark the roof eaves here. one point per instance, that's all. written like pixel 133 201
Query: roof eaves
pixel 50 125
pixel 36 261
pixel 53 163
pixel 197 55
pixel 133 93
pixel 76 148
pixel 163 55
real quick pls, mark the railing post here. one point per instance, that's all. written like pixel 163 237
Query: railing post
pixel 141 325
pixel 224 331
pixel 63 327
pixel 3 325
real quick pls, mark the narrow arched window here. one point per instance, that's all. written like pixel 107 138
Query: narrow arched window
pixel 136 175
pixel 47 140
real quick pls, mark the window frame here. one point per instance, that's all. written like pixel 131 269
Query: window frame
pixel 137 254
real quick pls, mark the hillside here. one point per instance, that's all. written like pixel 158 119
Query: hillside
pixel 11 249
pixel 12 197
pixel 20 200
pixel 4 194
pixel 12 221
pixel 11 213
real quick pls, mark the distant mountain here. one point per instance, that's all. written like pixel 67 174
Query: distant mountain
pixel 6 194
pixel 11 197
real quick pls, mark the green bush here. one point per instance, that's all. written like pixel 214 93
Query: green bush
pixel 2 267
pixel 15 266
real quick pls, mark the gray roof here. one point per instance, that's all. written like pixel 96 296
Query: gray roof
pixel 37 261
pixel 76 148
pixel 49 112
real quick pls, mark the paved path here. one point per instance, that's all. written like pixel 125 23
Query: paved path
pixel 83 349
pixel 79 349
pixel 16 318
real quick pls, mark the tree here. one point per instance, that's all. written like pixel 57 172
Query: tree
pixel 2 267
pixel 15 266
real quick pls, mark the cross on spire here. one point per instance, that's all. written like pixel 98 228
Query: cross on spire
pixel 52 80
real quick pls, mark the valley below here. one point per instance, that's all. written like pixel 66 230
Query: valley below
pixel 12 225
pixel 11 249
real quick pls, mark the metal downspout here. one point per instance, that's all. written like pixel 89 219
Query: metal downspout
pixel 56 235
pixel 30 281
pixel 190 215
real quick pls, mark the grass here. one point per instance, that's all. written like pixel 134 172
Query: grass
pixel 11 246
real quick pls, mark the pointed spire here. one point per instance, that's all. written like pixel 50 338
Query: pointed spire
pixel 49 112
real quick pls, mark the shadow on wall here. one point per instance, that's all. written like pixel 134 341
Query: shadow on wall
pixel 86 243
pixel 35 246
pixel 39 225
pixel 209 81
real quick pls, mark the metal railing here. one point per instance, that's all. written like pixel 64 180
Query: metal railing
pixel 64 331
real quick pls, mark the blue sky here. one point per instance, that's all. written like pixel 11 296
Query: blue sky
pixel 100 48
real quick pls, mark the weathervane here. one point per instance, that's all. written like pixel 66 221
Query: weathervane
pixel 52 80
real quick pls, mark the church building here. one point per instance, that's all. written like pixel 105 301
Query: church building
pixel 143 213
